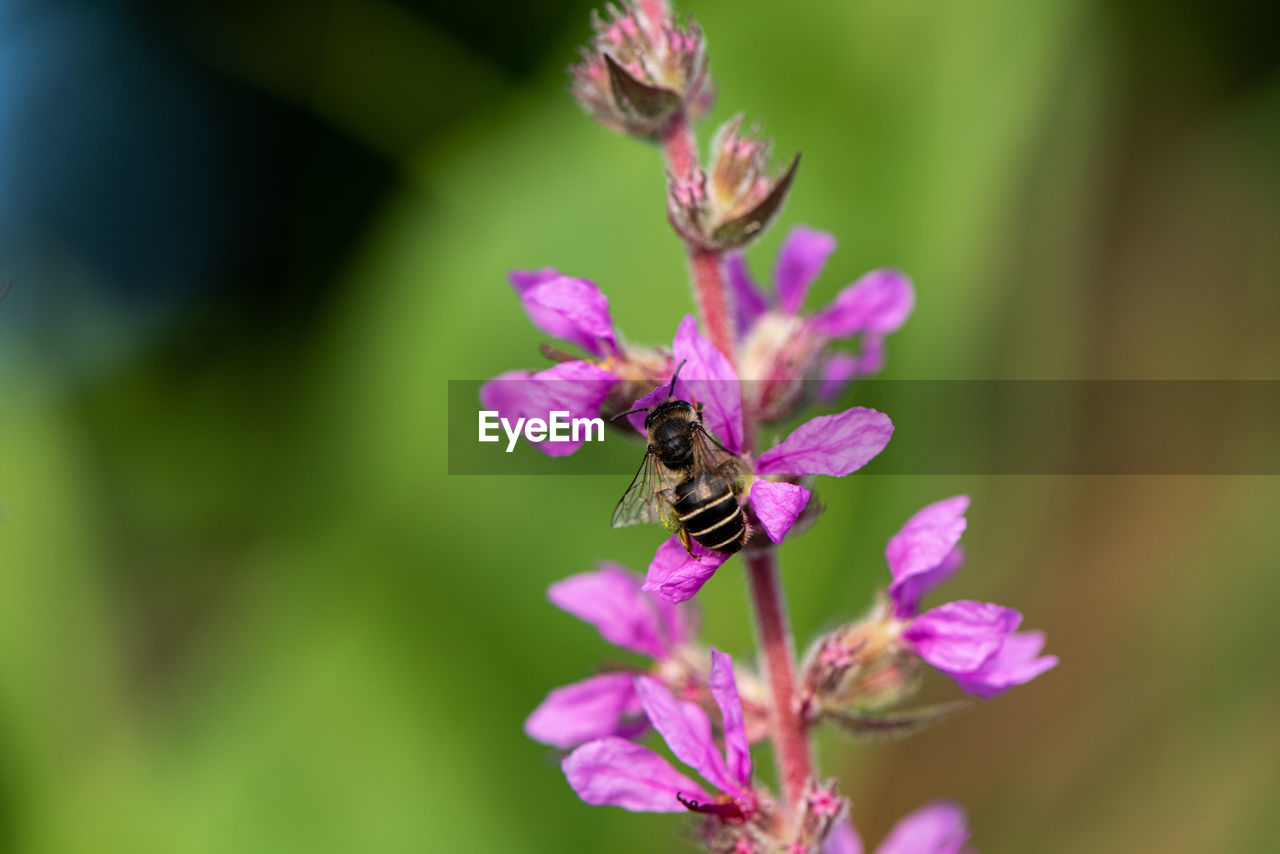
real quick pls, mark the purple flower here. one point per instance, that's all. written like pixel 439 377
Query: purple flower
pixel 615 772
pixel 937 828
pixel 572 310
pixel 834 445
pixel 609 599
pixel 780 346
pixel 972 642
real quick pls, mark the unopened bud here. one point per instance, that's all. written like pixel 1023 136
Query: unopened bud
pixel 637 73
pixel 862 666
pixel 736 199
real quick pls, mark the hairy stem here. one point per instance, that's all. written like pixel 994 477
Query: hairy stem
pixel 680 147
pixel 713 303
pixel 790 740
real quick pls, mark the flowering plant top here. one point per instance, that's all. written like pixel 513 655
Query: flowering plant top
pixel 711 472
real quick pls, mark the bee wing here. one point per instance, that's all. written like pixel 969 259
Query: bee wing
pixel 710 454
pixel 645 500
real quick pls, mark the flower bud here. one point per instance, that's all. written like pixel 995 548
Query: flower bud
pixel 862 666
pixel 638 73
pixel 732 203
pixel 821 807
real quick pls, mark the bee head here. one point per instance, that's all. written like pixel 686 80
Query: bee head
pixel 670 411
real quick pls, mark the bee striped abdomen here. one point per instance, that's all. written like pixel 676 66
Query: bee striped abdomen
pixel 708 510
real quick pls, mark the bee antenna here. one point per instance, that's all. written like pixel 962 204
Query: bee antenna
pixel 672 391
pixel 628 412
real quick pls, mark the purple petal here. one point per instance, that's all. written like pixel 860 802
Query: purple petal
pixel 579 388
pixel 592 708
pixel 616 772
pixel 938 828
pixel 1018 661
pixel 919 555
pixel 523 280
pixel 838 371
pixel 610 599
pixel 777 506
pixel 871 357
pixel 749 302
pixel 830 444
pixel 687 731
pixel 708 378
pixel 803 255
pixel 725 689
pixel 842 839
pixel 877 303
pixel 674 576
pixel 959 637
pixel 567 308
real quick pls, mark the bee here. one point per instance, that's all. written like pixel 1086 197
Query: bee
pixel 687 480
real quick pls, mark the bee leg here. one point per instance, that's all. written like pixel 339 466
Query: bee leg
pixel 688 546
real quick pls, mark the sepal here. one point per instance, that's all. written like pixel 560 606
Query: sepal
pixel 733 202
pixel 638 74
pixel 893 724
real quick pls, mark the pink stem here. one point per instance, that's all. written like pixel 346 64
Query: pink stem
pixel 708 283
pixel 680 146
pixel 790 740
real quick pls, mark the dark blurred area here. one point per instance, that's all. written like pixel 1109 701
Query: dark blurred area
pixel 243 607
pixel 216 163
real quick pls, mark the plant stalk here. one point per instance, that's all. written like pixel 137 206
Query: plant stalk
pixel 790 738
pixel 706 265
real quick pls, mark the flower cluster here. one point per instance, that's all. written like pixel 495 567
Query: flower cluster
pixel 758 358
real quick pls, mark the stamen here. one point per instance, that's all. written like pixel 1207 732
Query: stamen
pixel 729 811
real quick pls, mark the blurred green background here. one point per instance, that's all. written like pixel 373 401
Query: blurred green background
pixel 244 608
